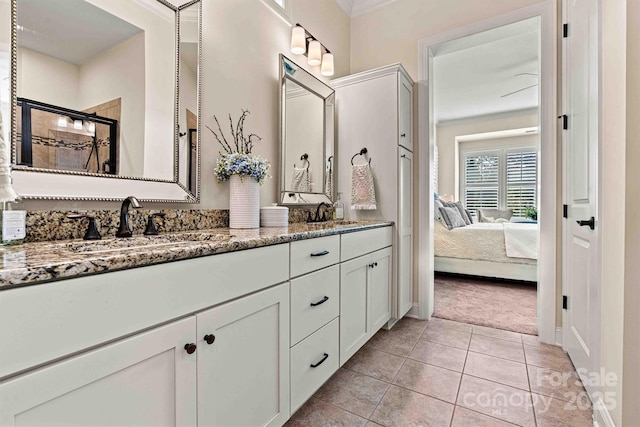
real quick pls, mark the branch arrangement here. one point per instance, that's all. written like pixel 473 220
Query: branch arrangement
pixel 241 144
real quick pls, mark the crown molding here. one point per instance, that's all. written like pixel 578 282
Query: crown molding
pixel 355 8
pixel 346 5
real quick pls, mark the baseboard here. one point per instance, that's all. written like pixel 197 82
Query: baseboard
pixel 601 416
pixel 559 336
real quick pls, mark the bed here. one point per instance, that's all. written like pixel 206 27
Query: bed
pixel 501 250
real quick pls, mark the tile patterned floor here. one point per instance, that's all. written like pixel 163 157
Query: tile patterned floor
pixel 448 374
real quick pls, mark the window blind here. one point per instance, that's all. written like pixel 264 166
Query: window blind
pixel 521 168
pixel 482 181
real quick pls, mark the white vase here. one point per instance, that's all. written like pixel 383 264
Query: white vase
pixel 244 202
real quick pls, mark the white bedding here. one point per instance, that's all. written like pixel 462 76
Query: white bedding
pixel 481 241
pixel 521 240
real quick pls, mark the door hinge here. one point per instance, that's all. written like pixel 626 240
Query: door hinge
pixel 565 121
pixel 565 30
pixel 565 302
pixel 565 211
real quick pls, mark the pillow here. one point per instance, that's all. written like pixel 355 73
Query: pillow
pixel 501 220
pixel 451 217
pixel 461 209
pixel 487 219
pixel 469 215
pixel 437 203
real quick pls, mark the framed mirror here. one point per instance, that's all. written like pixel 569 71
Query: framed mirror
pixel 106 99
pixel 307 140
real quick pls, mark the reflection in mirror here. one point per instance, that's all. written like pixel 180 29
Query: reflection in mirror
pixel 188 108
pixel 307 140
pixel 97 95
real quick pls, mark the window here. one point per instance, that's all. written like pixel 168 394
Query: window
pixel 281 7
pixel 499 178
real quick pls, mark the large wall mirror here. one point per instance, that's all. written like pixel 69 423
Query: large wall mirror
pixel 106 98
pixel 307 148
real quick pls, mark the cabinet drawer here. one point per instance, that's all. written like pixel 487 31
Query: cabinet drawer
pixel 321 288
pixel 321 350
pixel 314 254
pixel 363 242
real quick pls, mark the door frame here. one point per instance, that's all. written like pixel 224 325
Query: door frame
pixel 548 176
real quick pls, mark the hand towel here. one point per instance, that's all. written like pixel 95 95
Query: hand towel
pixel 301 180
pixel 328 184
pixel 363 194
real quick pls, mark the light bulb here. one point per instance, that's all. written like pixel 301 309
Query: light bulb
pixel 327 64
pixel 62 122
pixel 77 124
pixel 91 127
pixel 315 53
pixel 298 41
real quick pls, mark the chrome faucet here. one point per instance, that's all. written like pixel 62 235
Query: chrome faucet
pixel 124 230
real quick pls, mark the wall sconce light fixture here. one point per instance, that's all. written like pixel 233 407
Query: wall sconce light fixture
pixel 303 43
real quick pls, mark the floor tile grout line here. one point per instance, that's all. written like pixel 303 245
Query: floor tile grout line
pixel 487 415
pixel 336 406
pixel 497 357
pixel 496 382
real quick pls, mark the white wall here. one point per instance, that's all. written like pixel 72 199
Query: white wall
pixel 390 34
pixel 47 79
pixel 119 72
pixel 446 133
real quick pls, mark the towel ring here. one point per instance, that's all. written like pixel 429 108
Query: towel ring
pixel 361 153
pixel 304 158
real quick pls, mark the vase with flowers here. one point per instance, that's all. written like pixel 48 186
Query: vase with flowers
pixel 245 172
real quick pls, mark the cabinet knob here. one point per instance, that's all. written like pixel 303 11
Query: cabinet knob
pixel 210 338
pixel 403 135
pixel 375 264
pixel 191 348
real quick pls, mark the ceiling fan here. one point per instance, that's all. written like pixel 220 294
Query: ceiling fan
pixel 522 89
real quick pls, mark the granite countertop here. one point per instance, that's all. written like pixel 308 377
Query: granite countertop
pixel 40 262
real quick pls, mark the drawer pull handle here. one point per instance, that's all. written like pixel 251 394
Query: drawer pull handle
pixel 210 338
pixel 323 253
pixel 322 301
pixel 190 348
pixel 315 365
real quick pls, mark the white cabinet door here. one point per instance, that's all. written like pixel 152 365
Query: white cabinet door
pixel 354 327
pixel 365 299
pixel 148 379
pixel 379 289
pixel 405 107
pixel 405 234
pixel 243 375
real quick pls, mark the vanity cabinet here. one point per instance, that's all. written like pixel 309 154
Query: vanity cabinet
pixel 374 110
pixel 205 341
pixel 148 379
pixel 243 361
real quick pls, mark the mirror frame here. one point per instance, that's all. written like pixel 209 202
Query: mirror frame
pixel 320 86
pixel 50 184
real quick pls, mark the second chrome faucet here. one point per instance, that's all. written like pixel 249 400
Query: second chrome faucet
pixel 124 229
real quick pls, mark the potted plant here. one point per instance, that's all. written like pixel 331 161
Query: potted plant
pixel 531 212
pixel 245 172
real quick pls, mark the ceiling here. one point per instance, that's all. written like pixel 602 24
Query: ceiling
pixel 473 74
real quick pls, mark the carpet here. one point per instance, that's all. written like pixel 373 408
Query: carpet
pixel 486 302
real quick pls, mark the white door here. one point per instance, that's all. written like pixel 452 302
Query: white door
pixel 148 379
pixel 354 326
pixel 405 233
pixel 581 277
pixel 243 361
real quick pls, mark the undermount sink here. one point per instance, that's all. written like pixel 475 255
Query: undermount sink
pixel 140 242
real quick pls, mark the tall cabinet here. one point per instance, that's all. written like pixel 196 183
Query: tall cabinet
pixel 374 110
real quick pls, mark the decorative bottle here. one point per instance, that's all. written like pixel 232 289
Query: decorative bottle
pixel 12 222
pixel 338 208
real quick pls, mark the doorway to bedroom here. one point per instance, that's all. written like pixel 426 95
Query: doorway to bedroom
pixel 485 114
